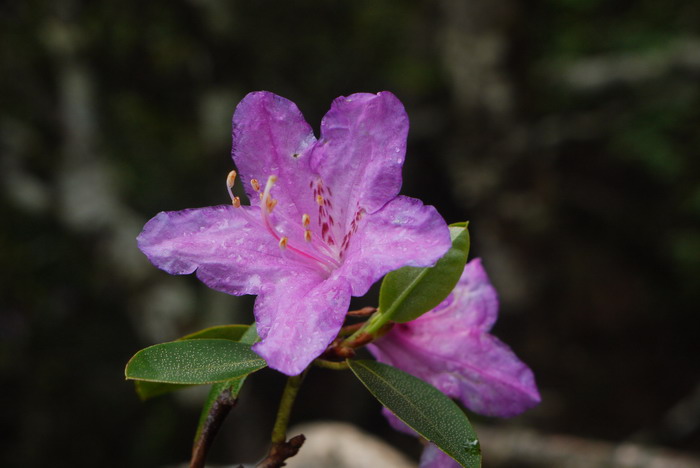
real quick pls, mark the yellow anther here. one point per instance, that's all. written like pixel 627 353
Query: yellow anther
pixel 271 204
pixel 307 235
pixel 319 200
pixel 305 220
pixel 236 202
pixel 231 179
pixel 255 184
pixel 283 242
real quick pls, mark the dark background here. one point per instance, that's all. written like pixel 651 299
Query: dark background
pixel 566 131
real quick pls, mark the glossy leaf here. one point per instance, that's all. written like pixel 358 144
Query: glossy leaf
pixel 222 332
pixel 234 386
pixel 409 292
pixel 198 361
pixel 423 408
pixel 146 390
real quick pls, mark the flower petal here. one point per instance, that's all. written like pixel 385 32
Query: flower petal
pixel 476 368
pixel 271 137
pixel 494 381
pixel 473 304
pixel 229 253
pixel 433 457
pixel 403 233
pixel 397 424
pixel 362 150
pixel 298 318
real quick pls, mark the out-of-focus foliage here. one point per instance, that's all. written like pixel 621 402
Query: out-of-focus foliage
pixel 566 131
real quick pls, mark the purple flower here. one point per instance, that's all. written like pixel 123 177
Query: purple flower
pixel 325 220
pixel 450 347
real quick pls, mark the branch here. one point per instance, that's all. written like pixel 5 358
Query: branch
pixel 218 412
pixel 280 451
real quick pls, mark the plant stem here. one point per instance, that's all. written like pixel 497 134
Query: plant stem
pixel 218 412
pixel 331 364
pixel 370 327
pixel 291 389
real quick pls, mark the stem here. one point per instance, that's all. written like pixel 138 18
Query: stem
pixel 331 364
pixel 371 326
pixel 281 449
pixel 218 412
pixel 291 389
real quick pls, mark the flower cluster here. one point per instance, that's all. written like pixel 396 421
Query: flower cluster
pixel 324 223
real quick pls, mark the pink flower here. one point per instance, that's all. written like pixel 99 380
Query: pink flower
pixel 325 220
pixel 450 347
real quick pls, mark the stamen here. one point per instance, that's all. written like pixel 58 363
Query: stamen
pixel 319 199
pixel 255 184
pixel 305 220
pixel 230 180
pixel 267 205
pixel 270 204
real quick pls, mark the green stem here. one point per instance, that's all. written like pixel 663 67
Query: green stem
pixel 331 364
pixel 371 326
pixel 291 389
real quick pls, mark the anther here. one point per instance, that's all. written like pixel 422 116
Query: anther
pixel 307 235
pixel 271 203
pixel 319 200
pixel 230 180
pixel 283 242
pixel 305 220
pixel 255 184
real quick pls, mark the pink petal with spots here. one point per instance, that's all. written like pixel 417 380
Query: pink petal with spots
pixel 271 137
pixel 362 149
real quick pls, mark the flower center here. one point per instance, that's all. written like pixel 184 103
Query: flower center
pixel 313 249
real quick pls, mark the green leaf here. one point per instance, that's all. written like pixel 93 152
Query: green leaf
pixel 409 292
pixel 146 390
pixel 223 332
pixel 234 386
pixel 199 361
pixel 422 407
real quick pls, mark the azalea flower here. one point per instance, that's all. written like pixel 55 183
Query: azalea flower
pixel 324 222
pixel 451 348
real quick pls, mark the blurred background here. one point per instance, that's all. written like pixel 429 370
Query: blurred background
pixel 567 131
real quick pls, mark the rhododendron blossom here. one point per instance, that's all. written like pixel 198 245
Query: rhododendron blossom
pixel 450 347
pixel 324 222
